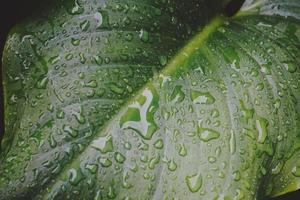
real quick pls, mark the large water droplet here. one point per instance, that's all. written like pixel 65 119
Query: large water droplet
pixel 140 114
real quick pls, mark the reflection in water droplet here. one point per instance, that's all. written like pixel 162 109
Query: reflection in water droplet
pixel 140 114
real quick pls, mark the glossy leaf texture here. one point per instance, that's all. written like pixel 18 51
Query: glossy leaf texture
pixel 68 70
pixel 97 116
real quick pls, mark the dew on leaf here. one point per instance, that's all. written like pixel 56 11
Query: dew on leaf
pixel 194 182
pixel 103 144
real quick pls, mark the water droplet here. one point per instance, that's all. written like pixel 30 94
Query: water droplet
pixel 194 182
pixel 246 113
pixel 211 159
pixel 177 94
pixel 144 35
pixel 116 88
pixel 296 171
pixel 236 175
pixel 163 60
pixel 52 141
pixel 140 114
pixel 105 162
pixel 239 195
pixel 98 60
pixel 42 83
pixel 82 58
pixel 277 169
pixel 102 19
pixel 159 144
pixel 54 59
pixel 206 134
pixel 91 84
pixel 79 117
pixel 60 114
pixel 232 143
pixel 291 67
pixel 75 176
pixel 73 7
pixel 75 42
pixel 119 157
pixel 172 166
pixel 72 132
pixel 154 161
pixel 232 57
pixel 262 128
pixel 85 25
pixel 182 150
pixel 202 97
pixel 104 144
pixel 92 168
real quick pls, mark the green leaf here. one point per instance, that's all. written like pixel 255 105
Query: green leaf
pixel 98 107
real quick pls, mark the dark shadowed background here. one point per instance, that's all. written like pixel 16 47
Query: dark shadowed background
pixel 14 11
